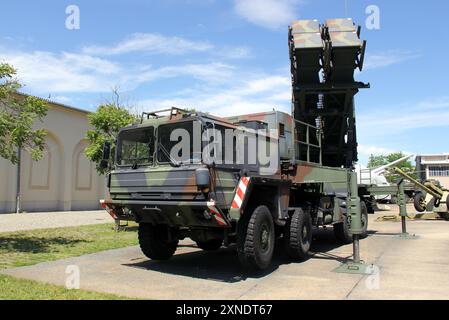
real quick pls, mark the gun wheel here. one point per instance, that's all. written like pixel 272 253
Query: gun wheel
pixel 420 202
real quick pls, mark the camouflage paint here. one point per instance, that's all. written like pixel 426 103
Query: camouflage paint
pixel 164 194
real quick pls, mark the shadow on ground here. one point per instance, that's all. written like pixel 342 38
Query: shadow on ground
pixel 224 266
pixel 35 244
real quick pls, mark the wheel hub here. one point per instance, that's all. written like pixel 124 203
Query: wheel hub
pixel 305 233
pixel 265 237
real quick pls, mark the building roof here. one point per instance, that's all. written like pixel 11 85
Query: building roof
pixel 435 159
pixel 435 155
pixel 55 103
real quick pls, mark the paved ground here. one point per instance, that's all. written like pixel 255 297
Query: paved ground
pixel 409 269
pixel 38 220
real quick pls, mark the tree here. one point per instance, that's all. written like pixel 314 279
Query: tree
pixel 106 122
pixel 376 161
pixel 18 113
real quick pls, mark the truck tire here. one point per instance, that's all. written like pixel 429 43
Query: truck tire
pixel 210 245
pixel 419 202
pixel 255 243
pixel 298 235
pixel 341 230
pixel 154 242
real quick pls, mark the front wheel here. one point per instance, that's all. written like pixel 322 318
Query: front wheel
pixel 342 230
pixel 156 242
pixel 298 235
pixel 256 236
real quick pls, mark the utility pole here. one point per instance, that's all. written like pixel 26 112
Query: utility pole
pixel 19 157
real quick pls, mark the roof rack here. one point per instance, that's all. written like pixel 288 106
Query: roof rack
pixel 174 111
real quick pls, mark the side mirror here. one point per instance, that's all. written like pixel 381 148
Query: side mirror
pixel 104 164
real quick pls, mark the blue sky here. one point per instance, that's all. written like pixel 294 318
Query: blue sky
pixel 231 57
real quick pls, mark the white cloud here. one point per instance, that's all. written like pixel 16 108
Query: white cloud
pixel 271 14
pixel 96 69
pixel 61 99
pixel 45 72
pixel 215 86
pixel 151 43
pixel 214 72
pixel 412 115
pixel 388 58
pixel 234 53
pixel 367 150
pixel 65 72
pixel 245 94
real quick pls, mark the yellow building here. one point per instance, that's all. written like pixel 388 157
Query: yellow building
pixel 64 179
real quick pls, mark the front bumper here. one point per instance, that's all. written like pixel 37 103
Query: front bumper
pixel 174 213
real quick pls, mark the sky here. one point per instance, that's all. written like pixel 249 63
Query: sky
pixel 231 57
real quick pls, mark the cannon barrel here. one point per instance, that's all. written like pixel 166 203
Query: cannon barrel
pixel 434 191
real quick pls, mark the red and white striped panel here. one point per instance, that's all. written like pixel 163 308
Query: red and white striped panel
pixel 109 210
pixel 218 217
pixel 240 193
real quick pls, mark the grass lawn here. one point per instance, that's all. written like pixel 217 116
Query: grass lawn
pixel 25 248
pixel 18 289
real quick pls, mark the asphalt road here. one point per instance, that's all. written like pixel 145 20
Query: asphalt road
pixel 406 269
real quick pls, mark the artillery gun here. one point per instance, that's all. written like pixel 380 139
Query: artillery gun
pixel 431 198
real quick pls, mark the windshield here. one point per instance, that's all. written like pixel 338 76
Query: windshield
pixel 176 143
pixel 136 147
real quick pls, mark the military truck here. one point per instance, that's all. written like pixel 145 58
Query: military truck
pixel 249 203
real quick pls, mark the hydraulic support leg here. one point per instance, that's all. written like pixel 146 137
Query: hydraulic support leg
pixel 403 212
pixel 354 211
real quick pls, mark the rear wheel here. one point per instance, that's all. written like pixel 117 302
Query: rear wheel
pixel 342 230
pixel 210 245
pixel 156 242
pixel 420 202
pixel 298 235
pixel 255 243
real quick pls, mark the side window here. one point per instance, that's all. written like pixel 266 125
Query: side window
pixel 136 146
pixel 166 145
pixel 281 130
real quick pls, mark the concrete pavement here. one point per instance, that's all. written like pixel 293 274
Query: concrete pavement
pixel 409 269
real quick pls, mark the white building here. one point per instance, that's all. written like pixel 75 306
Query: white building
pixel 434 167
pixel 64 179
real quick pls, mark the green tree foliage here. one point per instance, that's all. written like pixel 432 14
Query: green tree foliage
pixel 18 113
pixel 376 161
pixel 106 122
